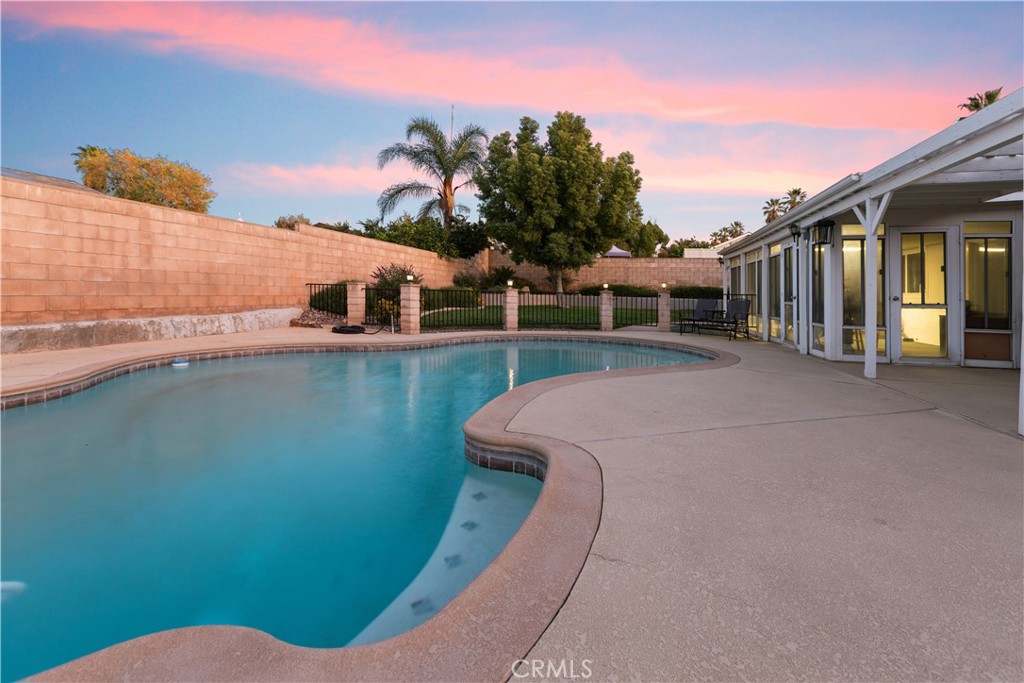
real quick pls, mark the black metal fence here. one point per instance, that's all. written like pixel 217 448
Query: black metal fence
pixel 635 310
pixel 383 306
pixel 549 310
pixel 454 308
pixel 460 309
pixel 329 298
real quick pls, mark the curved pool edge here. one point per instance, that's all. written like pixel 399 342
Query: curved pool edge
pixel 480 634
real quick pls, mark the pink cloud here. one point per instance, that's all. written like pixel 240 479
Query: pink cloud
pixel 344 55
pixel 744 163
pixel 315 179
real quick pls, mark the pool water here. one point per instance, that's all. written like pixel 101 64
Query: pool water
pixel 296 494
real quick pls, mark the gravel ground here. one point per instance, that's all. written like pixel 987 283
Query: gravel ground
pixel 311 318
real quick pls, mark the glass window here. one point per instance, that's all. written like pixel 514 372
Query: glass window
pixel 856 229
pixel 735 284
pixel 818 337
pixel 774 291
pixel 853 342
pixel 818 284
pixel 787 274
pixel 853 282
pixel 988 227
pixel 987 283
pixel 924 268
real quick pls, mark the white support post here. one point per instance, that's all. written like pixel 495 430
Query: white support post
pixel 803 292
pixel 870 218
pixel 762 303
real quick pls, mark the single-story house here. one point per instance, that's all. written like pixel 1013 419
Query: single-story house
pixel 916 261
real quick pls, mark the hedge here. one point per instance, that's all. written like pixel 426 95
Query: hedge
pixel 620 290
pixel 696 292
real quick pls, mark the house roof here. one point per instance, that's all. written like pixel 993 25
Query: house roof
pixel 977 159
pixel 45 180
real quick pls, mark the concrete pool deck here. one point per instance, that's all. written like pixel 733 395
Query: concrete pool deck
pixel 779 517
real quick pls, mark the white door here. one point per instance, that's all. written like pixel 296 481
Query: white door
pixel 923 314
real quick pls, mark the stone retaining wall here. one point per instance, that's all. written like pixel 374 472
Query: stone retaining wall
pixel 73 335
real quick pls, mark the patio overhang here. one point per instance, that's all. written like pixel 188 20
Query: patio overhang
pixel 977 160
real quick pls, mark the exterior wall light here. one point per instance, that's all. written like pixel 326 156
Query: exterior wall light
pixel 794 230
pixel 822 231
pixel 721 260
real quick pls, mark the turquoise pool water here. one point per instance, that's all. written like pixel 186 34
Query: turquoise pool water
pixel 297 494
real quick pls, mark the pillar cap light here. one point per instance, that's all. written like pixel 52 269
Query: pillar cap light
pixel 409 278
pixel 605 285
pixel 664 285
pixel 510 283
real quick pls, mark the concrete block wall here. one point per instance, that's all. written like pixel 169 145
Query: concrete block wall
pixel 647 272
pixel 70 255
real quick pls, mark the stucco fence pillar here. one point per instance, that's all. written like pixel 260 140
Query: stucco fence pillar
pixel 410 313
pixel 510 312
pixel 664 312
pixel 607 305
pixel 355 302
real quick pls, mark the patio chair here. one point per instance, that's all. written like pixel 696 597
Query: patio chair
pixel 705 311
pixel 734 319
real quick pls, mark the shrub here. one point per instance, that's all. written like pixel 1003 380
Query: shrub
pixel 433 299
pixel 394 276
pixel 696 292
pixel 497 279
pixel 466 280
pixel 621 290
pixel 290 222
pixel 331 299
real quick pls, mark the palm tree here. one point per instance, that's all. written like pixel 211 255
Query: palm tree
pixel 92 163
pixel 773 208
pixel 980 101
pixel 443 159
pixel 734 229
pixel 793 199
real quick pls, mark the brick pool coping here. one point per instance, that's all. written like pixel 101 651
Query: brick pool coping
pixel 485 630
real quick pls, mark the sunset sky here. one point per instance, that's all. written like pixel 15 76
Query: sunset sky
pixel 286 105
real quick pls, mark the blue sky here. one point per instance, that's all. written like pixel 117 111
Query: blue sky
pixel 285 105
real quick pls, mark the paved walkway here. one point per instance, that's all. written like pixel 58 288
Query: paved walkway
pixel 782 518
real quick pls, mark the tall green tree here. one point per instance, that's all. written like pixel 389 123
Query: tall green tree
pixel 154 180
pixel 981 100
pixel 444 160
pixel 646 240
pixel 560 203
pixel 724 234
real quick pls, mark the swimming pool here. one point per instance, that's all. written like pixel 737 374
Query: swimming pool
pixel 295 494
